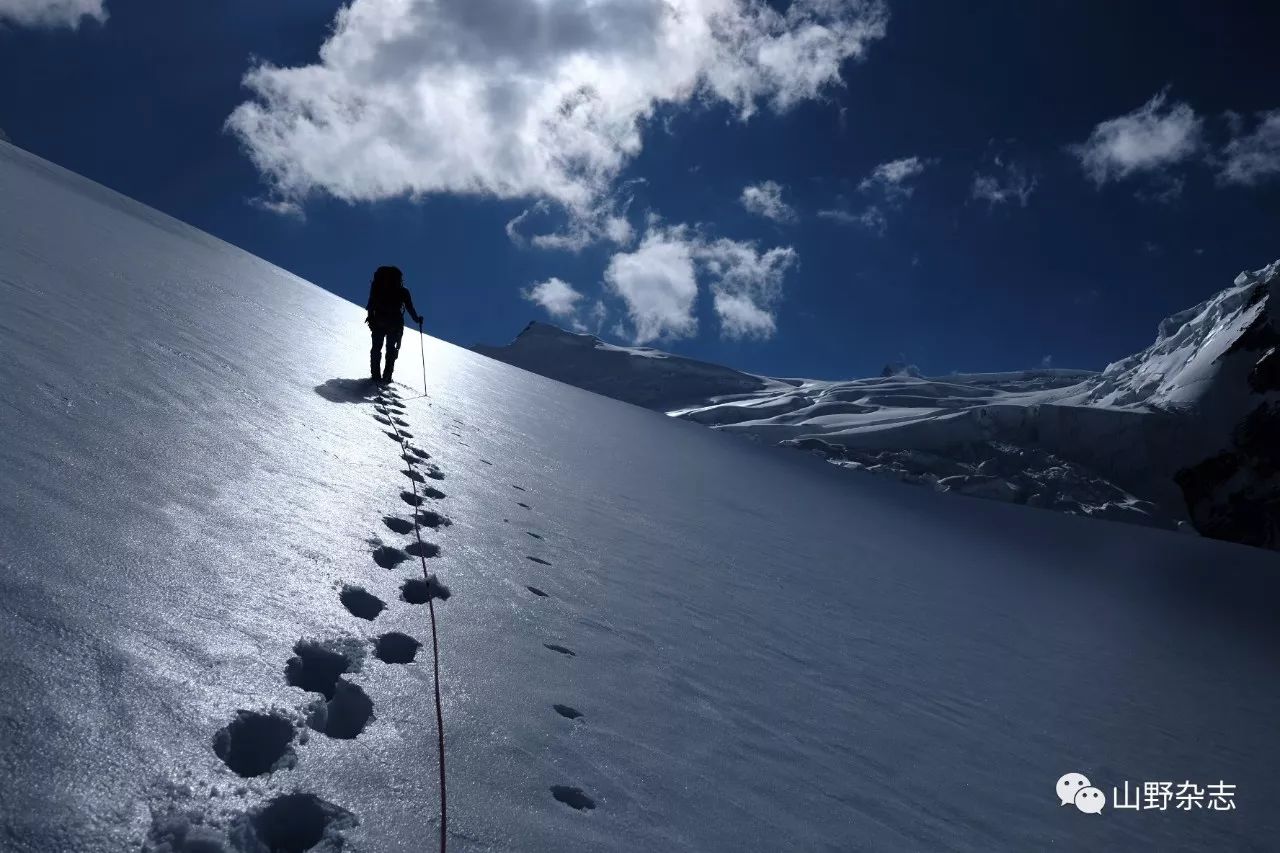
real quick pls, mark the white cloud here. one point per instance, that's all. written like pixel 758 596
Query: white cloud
pixel 1149 139
pixel 746 285
pixel 526 98
pixel 765 199
pixel 1251 158
pixel 605 222
pixel 556 296
pixel 659 283
pixel 1008 183
pixel 51 13
pixel 891 180
pixel 889 184
pixel 872 218
pixel 837 214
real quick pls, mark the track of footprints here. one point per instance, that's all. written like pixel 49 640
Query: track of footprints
pixel 260 743
pixel 570 795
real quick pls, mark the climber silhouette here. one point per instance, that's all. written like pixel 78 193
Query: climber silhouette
pixel 388 297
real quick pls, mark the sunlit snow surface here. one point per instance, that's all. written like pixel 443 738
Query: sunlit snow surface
pixel 768 654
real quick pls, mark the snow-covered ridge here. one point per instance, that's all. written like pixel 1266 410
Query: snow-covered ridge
pixel 640 375
pixel 657 638
pixel 1110 444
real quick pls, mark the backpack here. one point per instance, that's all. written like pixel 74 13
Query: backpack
pixel 386 293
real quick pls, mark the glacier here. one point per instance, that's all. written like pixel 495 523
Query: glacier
pixel 1181 435
pixel 658 637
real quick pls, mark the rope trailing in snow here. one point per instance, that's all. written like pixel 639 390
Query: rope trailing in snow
pixel 432 586
pixel 422 350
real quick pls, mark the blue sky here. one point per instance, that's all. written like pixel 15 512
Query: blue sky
pixel 805 189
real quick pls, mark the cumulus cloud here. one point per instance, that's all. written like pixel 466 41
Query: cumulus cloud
pixel 1006 183
pixel 746 285
pixel 526 98
pixel 51 13
pixel 1251 158
pixel 556 296
pixel 659 283
pixel 1150 139
pixel 765 199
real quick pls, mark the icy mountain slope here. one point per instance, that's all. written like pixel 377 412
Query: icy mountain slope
pixel 1182 432
pixel 658 638
pixel 971 434
pixel 1217 366
pixel 640 375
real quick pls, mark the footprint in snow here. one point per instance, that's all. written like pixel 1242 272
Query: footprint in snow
pixel 423 549
pixel 567 712
pixel 395 647
pixel 361 603
pixel 561 649
pixel 343 715
pixel 389 557
pixel 427 518
pixel 419 591
pixel 290 823
pixel 254 743
pixel 572 796
pixel 538 560
pixel 316 665
pixel 399 525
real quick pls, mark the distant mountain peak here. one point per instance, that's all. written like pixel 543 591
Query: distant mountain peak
pixel 1184 429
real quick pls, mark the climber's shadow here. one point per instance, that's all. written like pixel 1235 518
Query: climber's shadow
pixel 348 390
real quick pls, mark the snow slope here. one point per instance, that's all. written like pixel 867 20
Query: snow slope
pixel 1180 432
pixel 767 654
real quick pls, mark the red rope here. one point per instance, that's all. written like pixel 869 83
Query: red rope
pixel 435 644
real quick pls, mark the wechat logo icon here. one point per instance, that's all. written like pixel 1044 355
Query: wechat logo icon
pixel 1075 789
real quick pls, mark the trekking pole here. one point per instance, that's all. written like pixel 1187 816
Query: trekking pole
pixel 422 351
